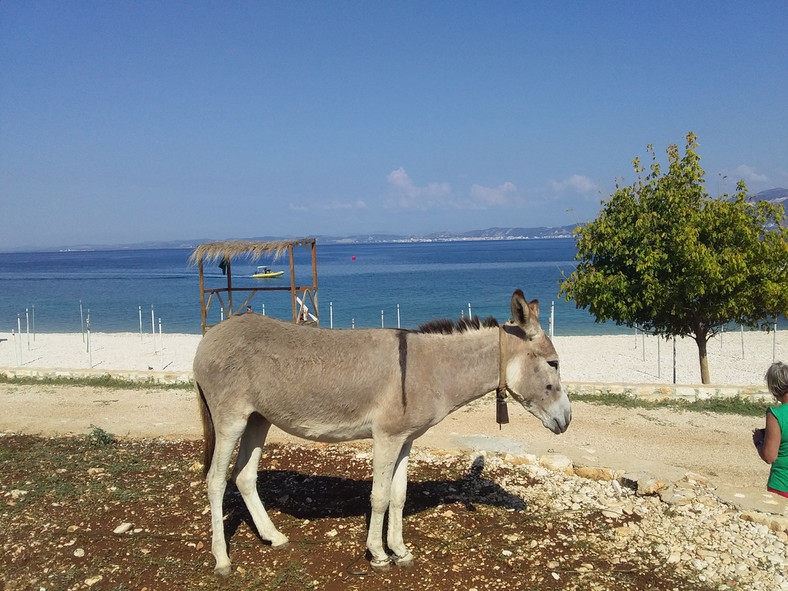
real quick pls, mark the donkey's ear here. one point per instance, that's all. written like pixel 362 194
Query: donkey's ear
pixel 525 314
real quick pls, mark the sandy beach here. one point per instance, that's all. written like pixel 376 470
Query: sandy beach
pixel 735 358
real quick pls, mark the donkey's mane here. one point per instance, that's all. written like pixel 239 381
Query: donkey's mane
pixel 447 326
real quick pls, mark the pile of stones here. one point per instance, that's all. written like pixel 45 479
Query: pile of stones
pixel 683 524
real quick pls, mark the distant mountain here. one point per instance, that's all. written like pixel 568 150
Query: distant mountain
pixel 775 197
pixel 778 195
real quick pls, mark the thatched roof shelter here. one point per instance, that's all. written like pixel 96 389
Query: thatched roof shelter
pixel 211 252
pixel 224 251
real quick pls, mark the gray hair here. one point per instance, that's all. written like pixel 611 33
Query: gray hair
pixel 777 379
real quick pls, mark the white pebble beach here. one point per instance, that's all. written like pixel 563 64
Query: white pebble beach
pixel 735 358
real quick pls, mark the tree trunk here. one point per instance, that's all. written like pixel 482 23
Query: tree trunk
pixel 700 339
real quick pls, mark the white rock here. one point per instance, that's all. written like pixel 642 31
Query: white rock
pixel 123 528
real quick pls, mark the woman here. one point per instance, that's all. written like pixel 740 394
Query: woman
pixel 772 442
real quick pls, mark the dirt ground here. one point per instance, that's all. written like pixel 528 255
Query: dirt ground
pixel 665 443
pixel 92 512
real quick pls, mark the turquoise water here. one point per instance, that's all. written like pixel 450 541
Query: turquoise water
pixel 426 281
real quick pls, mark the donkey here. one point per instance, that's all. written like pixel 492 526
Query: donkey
pixel 390 385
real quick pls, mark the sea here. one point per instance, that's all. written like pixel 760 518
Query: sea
pixel 359 285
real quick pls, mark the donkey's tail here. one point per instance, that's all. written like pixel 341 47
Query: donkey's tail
pixel 209 436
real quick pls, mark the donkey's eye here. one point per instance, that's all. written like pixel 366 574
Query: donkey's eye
pixel 553 364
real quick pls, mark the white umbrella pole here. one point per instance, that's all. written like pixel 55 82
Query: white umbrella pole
pixel 90 350
pixel 552 319
pixel 16 348
pixel 19 332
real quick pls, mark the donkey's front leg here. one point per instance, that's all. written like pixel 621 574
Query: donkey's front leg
pixel 385 454
pixel 399 486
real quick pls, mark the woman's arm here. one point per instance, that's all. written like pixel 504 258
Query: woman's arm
pixel 771 440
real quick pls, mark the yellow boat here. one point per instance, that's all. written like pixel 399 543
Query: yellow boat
pixel 266 273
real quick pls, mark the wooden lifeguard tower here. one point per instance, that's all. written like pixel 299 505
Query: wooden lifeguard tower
pixel 224 252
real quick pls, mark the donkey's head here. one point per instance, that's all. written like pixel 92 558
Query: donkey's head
pixel 530 365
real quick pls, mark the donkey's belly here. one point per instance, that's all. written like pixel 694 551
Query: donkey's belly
pixel 327 432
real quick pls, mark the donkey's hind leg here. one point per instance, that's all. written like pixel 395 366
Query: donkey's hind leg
pixel 216 479
pixel 245 476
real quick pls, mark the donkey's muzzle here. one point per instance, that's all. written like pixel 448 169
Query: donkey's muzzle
pixel 560 422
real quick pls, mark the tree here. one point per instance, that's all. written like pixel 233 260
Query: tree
pixel 664 255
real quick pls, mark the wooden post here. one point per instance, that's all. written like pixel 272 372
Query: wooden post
pixel 231 311
pixel 314 282
pixel 292 283
pixel 203 311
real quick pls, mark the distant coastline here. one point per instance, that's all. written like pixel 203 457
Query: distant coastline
pixel 489 234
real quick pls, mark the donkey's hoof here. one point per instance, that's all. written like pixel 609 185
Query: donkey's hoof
pixel 222 571
pixel 405 561
pixel 380 565
pixel 280 542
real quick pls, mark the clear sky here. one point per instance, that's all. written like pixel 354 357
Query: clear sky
pixel 161 120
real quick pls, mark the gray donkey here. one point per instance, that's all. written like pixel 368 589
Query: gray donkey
pixel 389 385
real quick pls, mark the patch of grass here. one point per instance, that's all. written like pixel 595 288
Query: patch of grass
pixel 736 405
pixel 104 381
pixel 98 437
pixel 733 405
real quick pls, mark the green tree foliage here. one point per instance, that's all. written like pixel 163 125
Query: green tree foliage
pixel 664 255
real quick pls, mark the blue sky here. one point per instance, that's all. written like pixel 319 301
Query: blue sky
pixel 134 121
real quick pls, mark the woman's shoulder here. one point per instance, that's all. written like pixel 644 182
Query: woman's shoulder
pixel 780 411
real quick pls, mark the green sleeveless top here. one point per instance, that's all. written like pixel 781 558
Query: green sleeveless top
pixel 778 475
